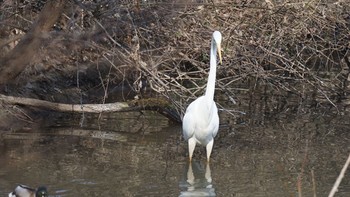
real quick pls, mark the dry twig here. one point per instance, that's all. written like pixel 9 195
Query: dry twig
pixel 340 177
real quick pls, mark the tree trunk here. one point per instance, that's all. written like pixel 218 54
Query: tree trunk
pixel 16 60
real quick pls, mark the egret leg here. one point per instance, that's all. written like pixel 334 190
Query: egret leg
pixel 209 148
pixel 191 146
pixel 208 173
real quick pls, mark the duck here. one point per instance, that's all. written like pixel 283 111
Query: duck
pixel 25 191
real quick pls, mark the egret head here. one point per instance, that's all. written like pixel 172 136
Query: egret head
pixel 217 38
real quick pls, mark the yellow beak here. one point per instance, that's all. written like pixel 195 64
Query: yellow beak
pixel 219 51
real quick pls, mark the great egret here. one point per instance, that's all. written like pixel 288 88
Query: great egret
pixel 201 121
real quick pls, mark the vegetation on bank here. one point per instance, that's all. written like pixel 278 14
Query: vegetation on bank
pixel 295 49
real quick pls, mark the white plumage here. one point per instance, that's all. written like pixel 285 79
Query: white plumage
pixel 201 121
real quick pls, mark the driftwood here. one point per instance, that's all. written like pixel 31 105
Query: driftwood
pixel 155 104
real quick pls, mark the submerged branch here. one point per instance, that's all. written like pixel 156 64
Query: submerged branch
pixel 340 177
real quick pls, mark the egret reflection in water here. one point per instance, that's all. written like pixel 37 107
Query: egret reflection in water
pixel 198 181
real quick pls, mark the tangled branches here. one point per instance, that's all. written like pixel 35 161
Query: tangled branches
pixel 295 48
pixel 299 48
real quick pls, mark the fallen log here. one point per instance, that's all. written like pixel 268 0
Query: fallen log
pixel 155 104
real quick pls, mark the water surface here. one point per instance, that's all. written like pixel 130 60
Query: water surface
pixel 133 154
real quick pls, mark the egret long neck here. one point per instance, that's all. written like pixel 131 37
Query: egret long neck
pixel 209 93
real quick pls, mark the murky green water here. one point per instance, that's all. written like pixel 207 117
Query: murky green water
pixel 145 156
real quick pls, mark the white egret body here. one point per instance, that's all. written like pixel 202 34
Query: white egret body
pixel 201 121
